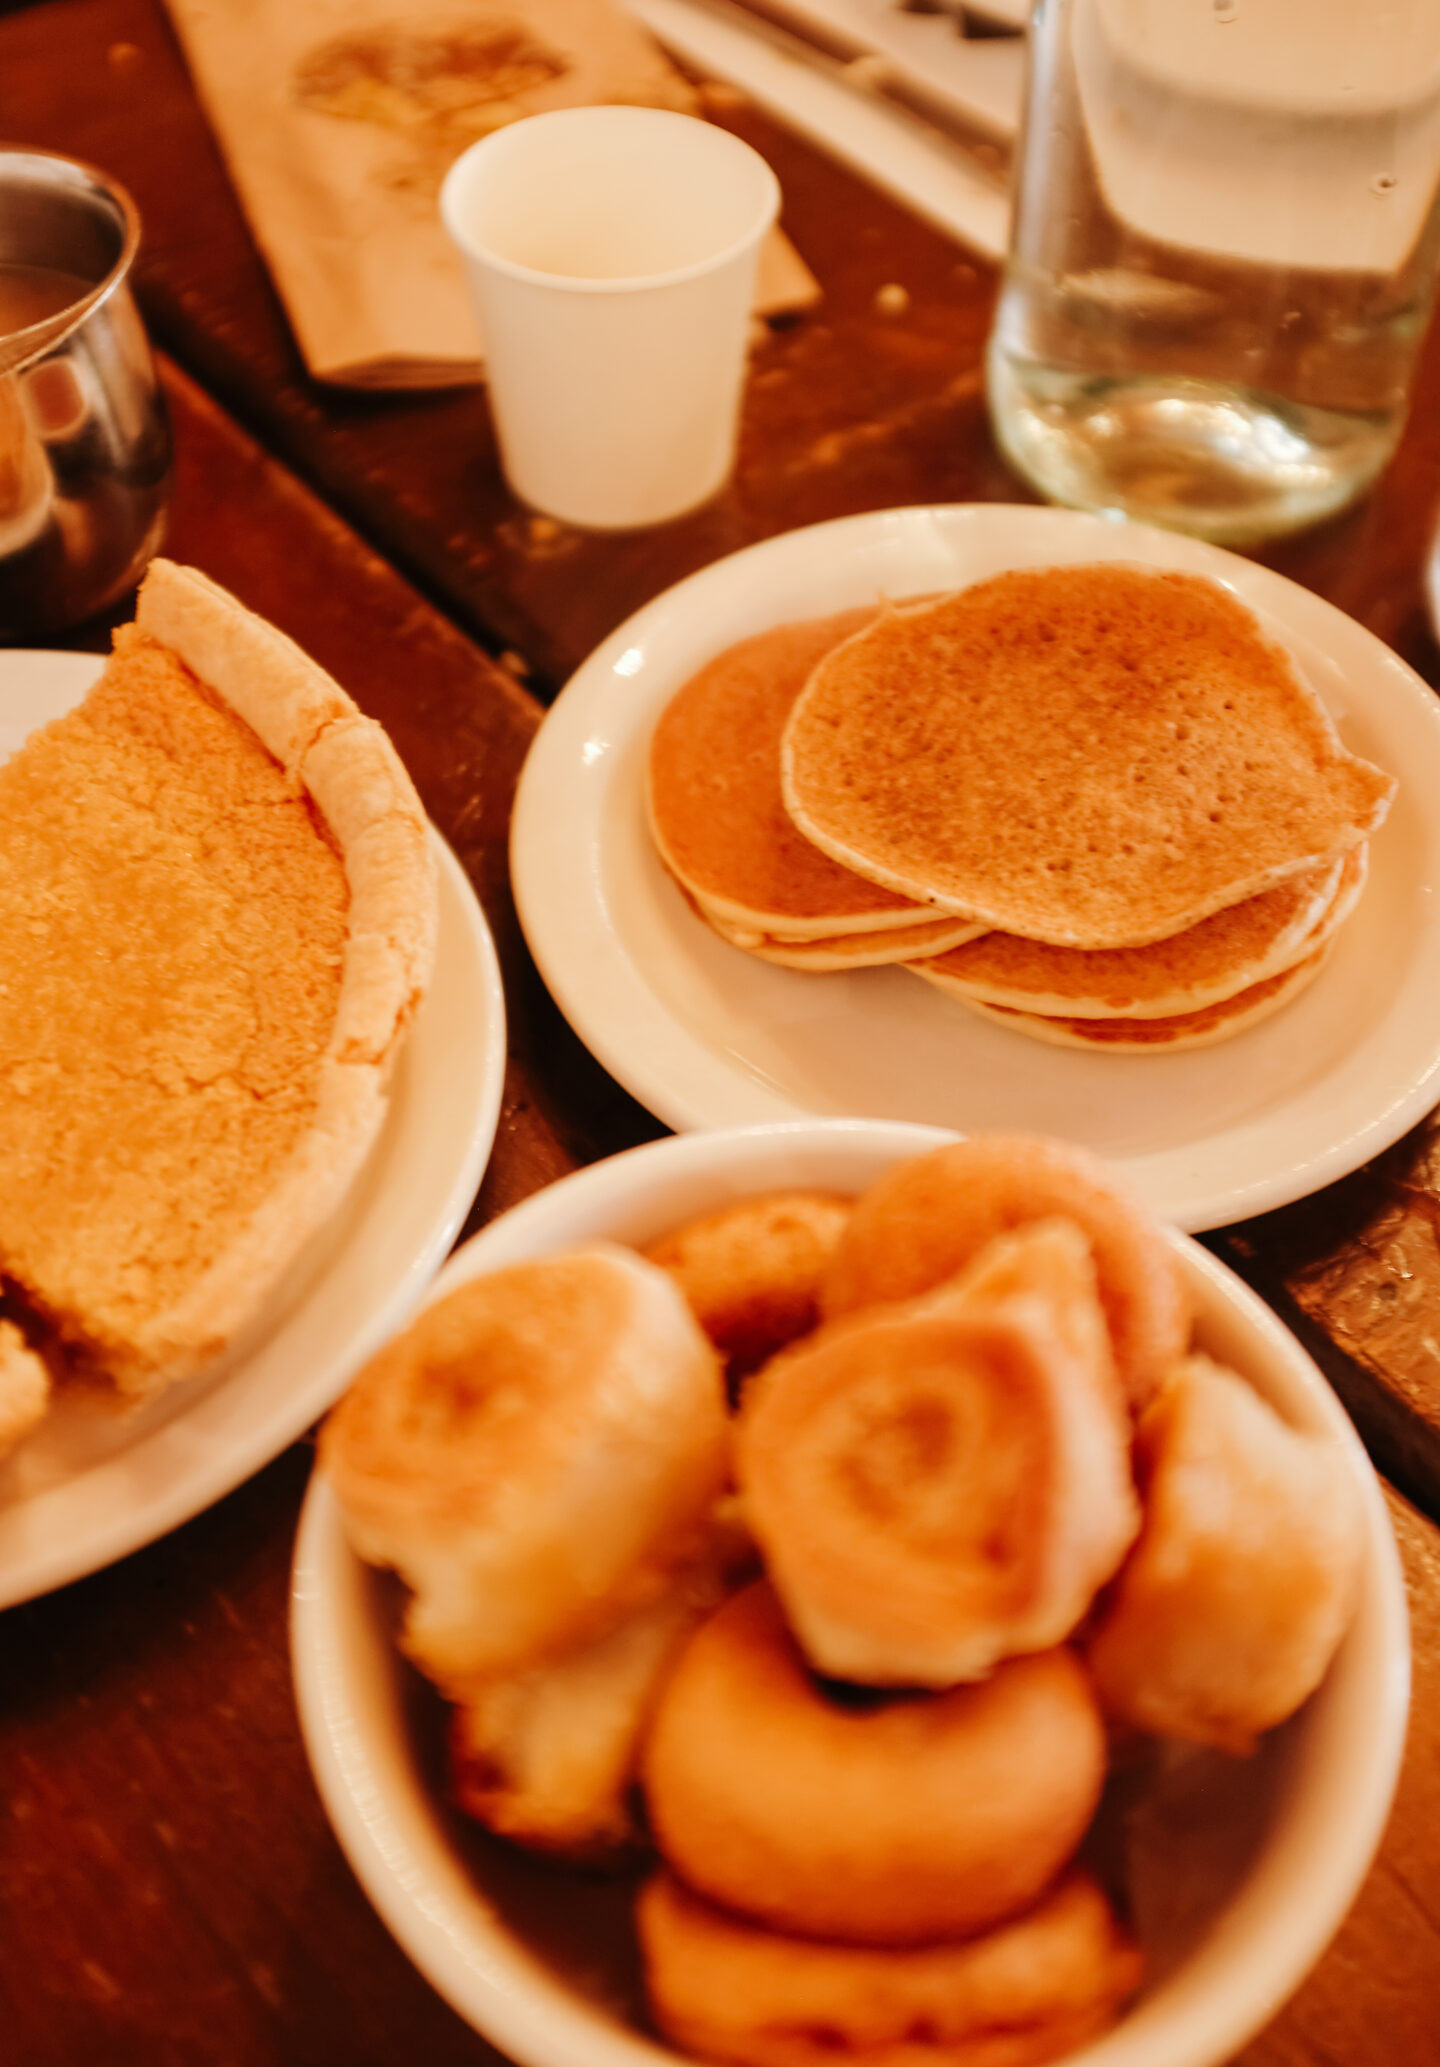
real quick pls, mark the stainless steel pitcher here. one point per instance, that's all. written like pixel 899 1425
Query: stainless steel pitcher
pixel 85 449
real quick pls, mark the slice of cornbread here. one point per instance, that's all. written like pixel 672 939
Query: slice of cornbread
pixel 217 917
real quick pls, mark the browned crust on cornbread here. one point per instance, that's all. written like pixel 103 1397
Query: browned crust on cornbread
pixel 374 951
pixel 1095 756
pixel 359 784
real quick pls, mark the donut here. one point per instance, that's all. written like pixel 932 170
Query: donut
pixel 869 1820
pixel 752 1270
pixel 1229 1610
pixel 943 1483
pixel 928 1216
pixel 1028 1991
pixel 533 1455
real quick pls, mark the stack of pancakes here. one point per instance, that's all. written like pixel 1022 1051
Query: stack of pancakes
pixel 723 831
pixel 1095 803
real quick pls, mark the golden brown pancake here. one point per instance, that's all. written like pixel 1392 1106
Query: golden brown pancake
pixel 1204 965
pixel 217 917
pixel 1095 756
pixel 832 951
pixel 1248 1008
pixel 714 795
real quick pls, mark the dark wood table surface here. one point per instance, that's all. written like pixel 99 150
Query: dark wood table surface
pixel 170 1892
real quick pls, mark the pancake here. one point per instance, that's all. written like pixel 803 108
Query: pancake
pixel 714 796
pixel 217 919
pixel 1165 1036
pixel 1206 964
pixel 1094 756
pixel 832 951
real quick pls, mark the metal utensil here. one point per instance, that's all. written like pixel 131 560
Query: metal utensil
pixel 85 449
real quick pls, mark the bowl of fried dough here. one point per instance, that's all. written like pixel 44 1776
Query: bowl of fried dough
pixel 844 1591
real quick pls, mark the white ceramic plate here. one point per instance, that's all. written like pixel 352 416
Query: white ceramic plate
pixel 92 1484
pixel 1238 1883
pixel 708 1037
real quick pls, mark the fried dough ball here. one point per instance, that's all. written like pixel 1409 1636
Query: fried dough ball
pixel 945 1483
pixel 752 1270
pixel 548 1757
pixel 1231 1606
pixel 1029 1991
pixel 533 1455
pixel 872 1821
pixel 926 1218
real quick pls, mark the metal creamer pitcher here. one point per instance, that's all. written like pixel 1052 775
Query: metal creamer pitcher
pixel 84 440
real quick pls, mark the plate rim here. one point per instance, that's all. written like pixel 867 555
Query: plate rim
pixel 28 1571
pixel 703 1088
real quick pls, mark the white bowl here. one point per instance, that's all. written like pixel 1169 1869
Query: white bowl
pixel 1255 1862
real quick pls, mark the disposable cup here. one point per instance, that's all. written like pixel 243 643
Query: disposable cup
pixel 611 258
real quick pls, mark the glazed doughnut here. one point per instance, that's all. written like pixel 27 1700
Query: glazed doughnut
pixel 751 1271
pixel 548 1757
pixel 1027 1992
pixel 928 1216
pixel 533 1455
pixel 944 1483
pixel 1230 1608
pixel 888 1820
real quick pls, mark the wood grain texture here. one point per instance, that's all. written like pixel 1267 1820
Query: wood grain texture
pixel 1355 1271
pixel 169 1891
pixel 1376 1994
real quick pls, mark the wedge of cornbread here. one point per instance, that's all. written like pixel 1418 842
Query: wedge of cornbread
pixel 217 919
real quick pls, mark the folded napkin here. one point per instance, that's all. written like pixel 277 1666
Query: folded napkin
pixel 339 120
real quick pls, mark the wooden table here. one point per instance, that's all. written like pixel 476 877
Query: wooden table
pixel 169 1889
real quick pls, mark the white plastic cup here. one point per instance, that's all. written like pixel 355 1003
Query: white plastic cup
pixel 611 258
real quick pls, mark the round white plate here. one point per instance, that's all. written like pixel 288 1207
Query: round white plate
pixel 1235 1894
pixel 706 1036
pixel 94 1483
